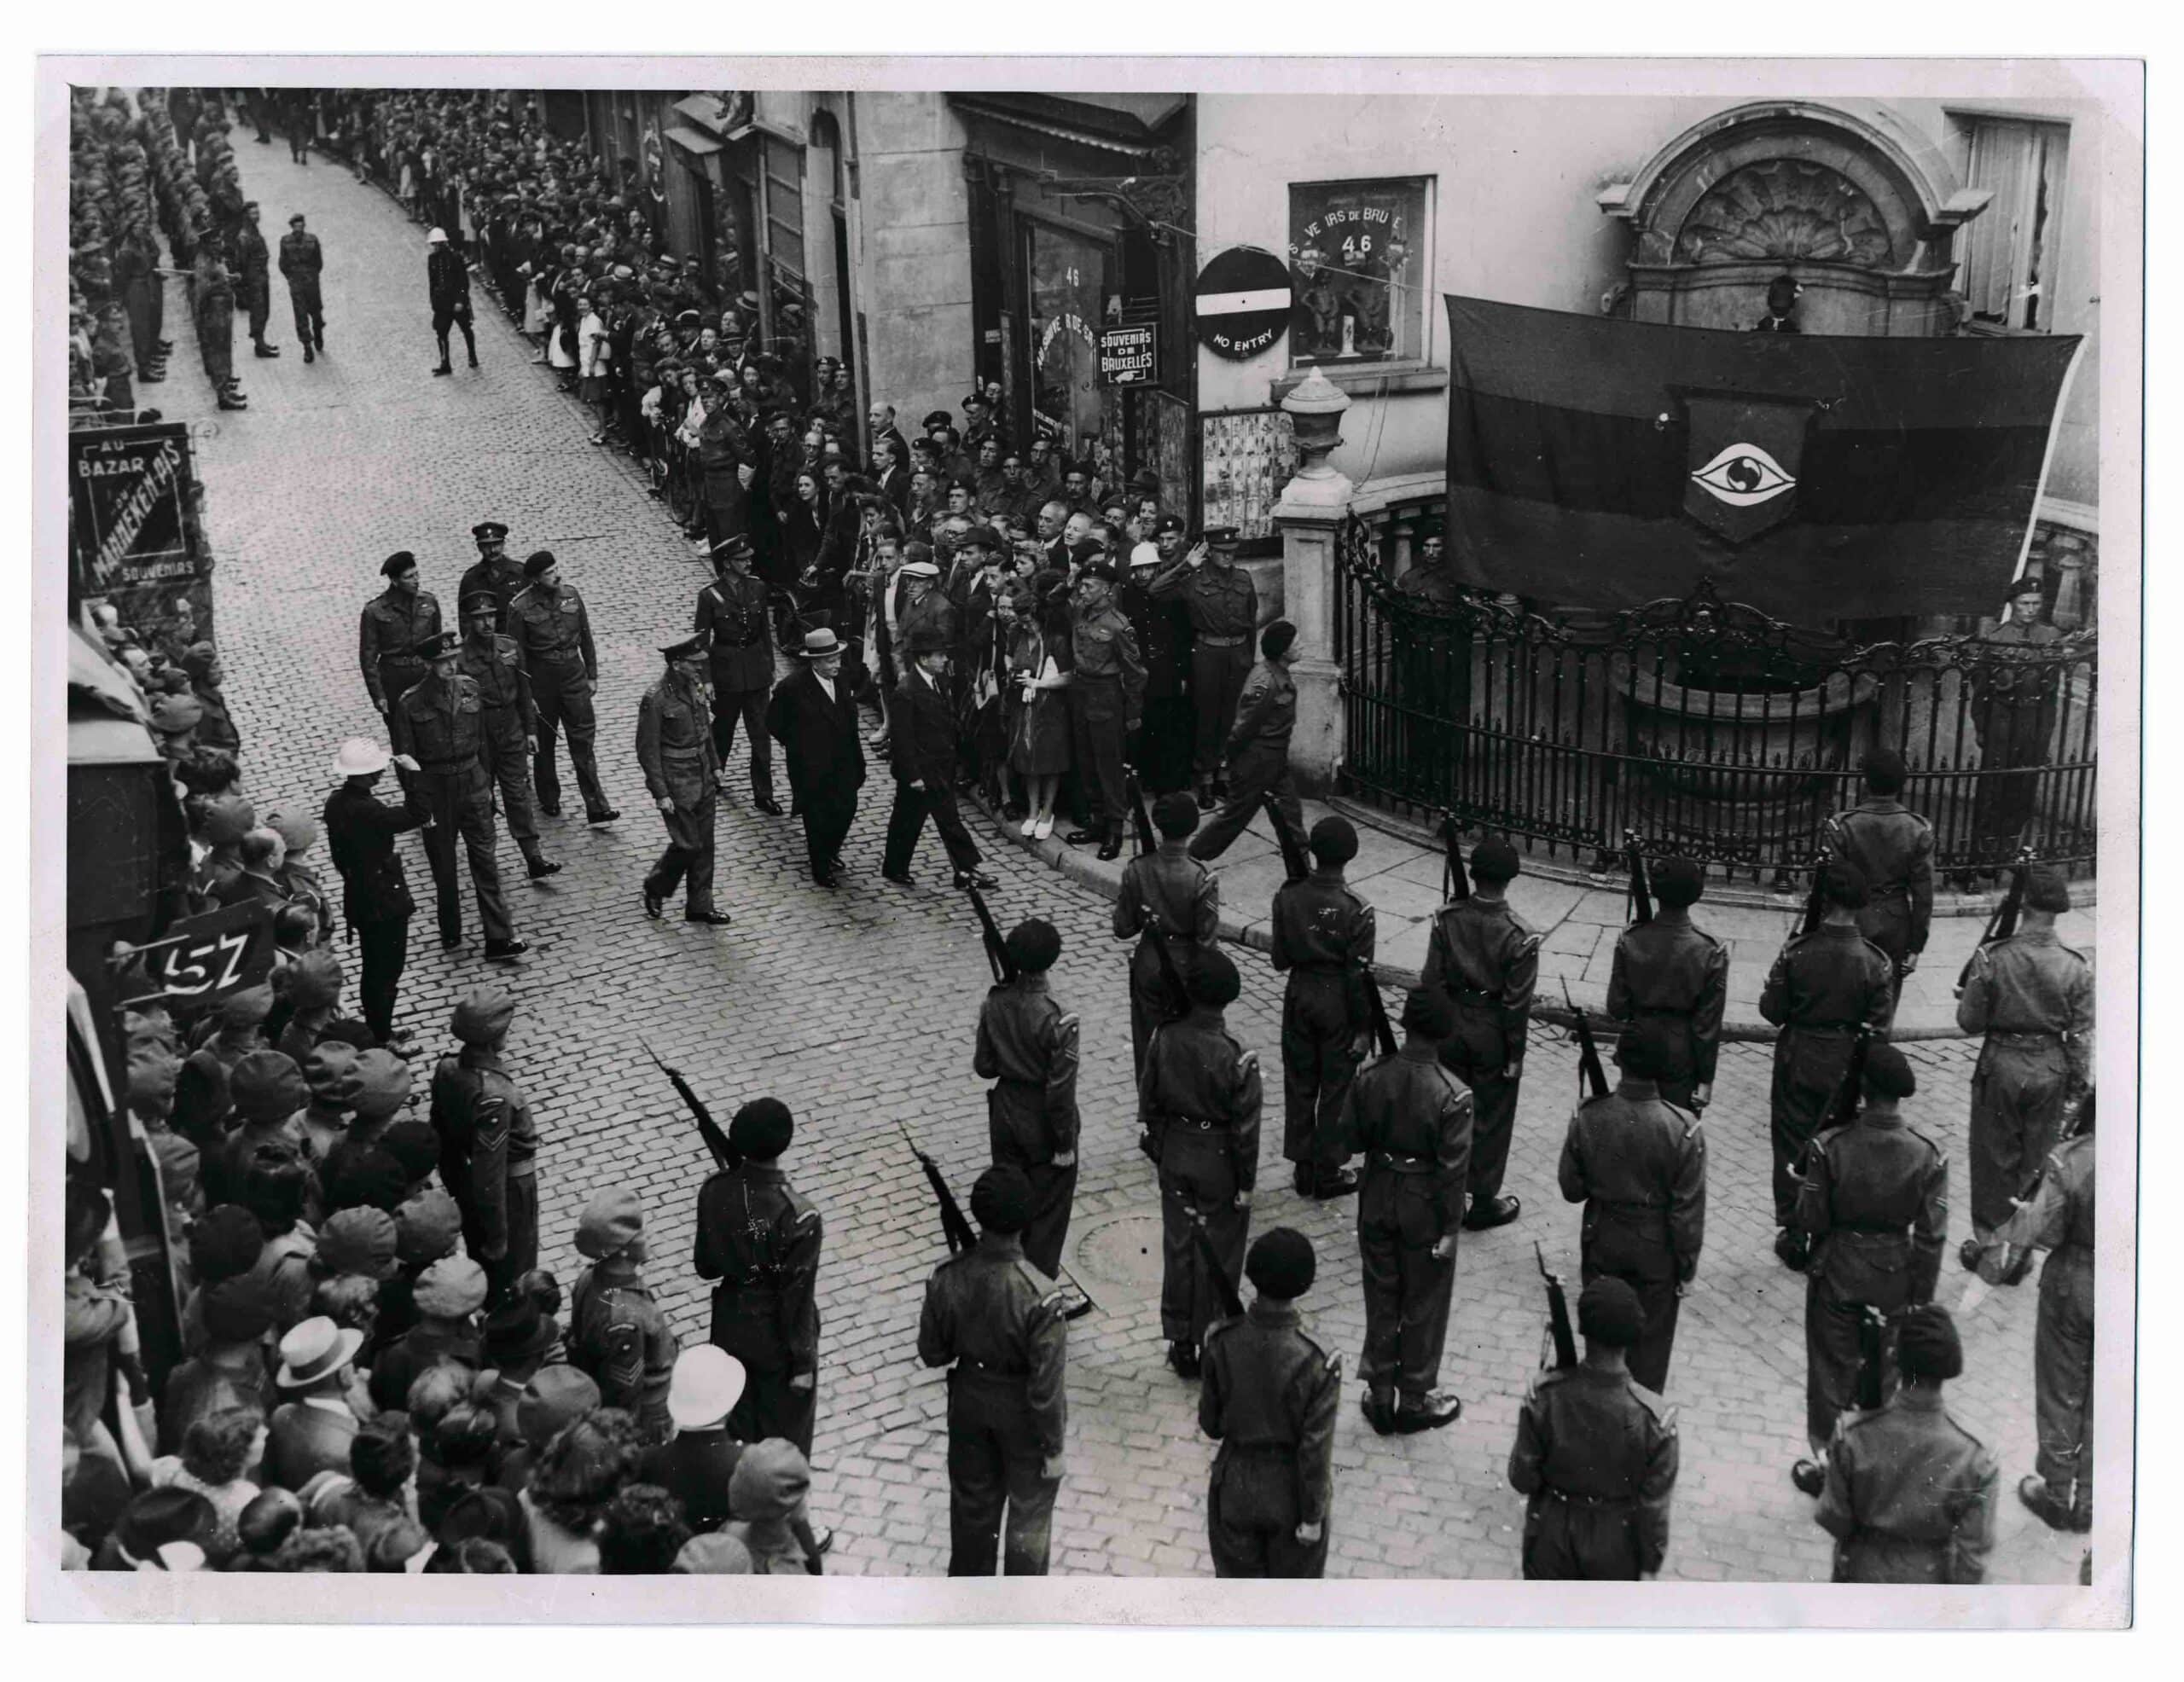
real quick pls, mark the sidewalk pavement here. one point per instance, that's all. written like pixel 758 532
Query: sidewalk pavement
pixel 1578 919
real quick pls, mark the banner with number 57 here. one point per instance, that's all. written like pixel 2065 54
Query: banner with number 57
pixel 203 960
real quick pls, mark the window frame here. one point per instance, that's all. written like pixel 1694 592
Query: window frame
pixel 1420 241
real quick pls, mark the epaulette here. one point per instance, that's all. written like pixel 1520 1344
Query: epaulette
pixel 524 592
pixel 2082 957
pixel 1330 1363
pixel 1688 1117
pixel 800 1206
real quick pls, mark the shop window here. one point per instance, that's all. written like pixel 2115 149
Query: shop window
pixel 2010 251
pixel 1358 267
pixel 1070 281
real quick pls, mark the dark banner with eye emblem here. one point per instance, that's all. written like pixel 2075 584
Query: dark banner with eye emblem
pixel 1605 464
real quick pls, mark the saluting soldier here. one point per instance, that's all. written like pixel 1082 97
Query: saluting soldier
pixel 995 1322
pixel 732 612
pixel 1323 940
pixel 1671 972
pixel 1910 1493
pixel 2032 997
pixel 1874 1206
pixel 1894 847
pixel 489 1141
pixel 439 723
pixel 1170 892
pixel 551 624
pixel 302 262
pixel 1106 702
pixel 1486 959
pixel 1596 1454
pixel 1412 1120
pixel 617 1333
pixel 1223 604
pixel 1638 1164
pixel 1258 746
pixel 761 1239
pixel 392 625
pixel 1824 988
pixel 1162 751
pixel 675 747
pixel 508 736
pixel 1027 1048
pixel 495 573
pixel 375 899
pixel 1269 1399
pixel 1198 1104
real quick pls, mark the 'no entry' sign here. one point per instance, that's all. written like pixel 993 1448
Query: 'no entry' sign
pixel 1243 302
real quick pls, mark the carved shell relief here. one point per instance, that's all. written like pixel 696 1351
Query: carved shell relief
pixel 1785 210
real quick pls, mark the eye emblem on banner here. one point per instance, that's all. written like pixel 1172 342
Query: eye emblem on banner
pixel 1744 475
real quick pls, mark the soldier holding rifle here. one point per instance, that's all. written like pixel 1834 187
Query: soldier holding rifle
pixel 1027 1048
pixel 1168 898
pixel 1323 940
pixel 1669 971
pixel 1894 846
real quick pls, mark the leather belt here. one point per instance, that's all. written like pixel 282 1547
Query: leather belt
pixel 2025 1036
pixel 1215 640
pixel 1193 1123
pixel 1395 1164
pixel 1552 1494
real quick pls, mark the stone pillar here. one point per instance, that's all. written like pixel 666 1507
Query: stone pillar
pixel 1310 517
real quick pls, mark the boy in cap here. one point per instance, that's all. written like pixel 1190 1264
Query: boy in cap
pixel 489 1140
pixel 1596 1455
pixel 1669 971
pixel 312 987
pixel 1027 1048
pixel 329 1070
pixel 1323 940
pixel 1223 608
pixel 203 1104
pixel 767 1493
pixel 1485 958
pixel 360 832
pixel 995 1321
pixel 508 733
pixel 1893 846
pixel 1167 897
pixel 392 625
pixel 552 626
pixel 1269 1399
pixel 617 1332
pixel 1259 747
pixel 681 768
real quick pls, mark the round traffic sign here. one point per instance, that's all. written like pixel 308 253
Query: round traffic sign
pixel 1243 302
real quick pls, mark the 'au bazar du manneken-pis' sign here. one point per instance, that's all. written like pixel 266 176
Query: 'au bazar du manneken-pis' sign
pixel 127 526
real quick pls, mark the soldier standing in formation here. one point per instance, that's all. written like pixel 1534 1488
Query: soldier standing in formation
pixel 1168 897
pixel 1638 1164
pixel 732 613
pixel 761 1239
pixel 1106 702
pixel 1162 751
pixel 212 294
pixel 617 1333
pixel 302 262
pixel 1671 972
pixel 675 747
pixel 1893 848
pixel 495 573
pixel 1323 940
pixel 1269 1399
pixel 1910 1493
pixel 2031 996
pixel 392 625
pixel 252 262
pixel 1027 1048
pixel 1596 1454
pixel 1223 607
pixel 1198 1104
pixel 1825 988
pixel 509 723
pixel 1486 958
pixel 1873 1206
pixel 995 1322
pixel 375 899
pixel 489 1142
pixel 550 622
pixel 1259 747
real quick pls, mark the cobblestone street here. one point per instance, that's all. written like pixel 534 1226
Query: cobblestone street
pixel 857 1009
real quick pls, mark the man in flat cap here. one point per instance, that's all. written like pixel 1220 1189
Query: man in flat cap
pixel 617 1332
pixel 2031 997
pixel 1259 747
pixel 252 283
pixel 813 715
pixel 550 621
pixel 921 729
pixel 1167 898
pixel 732 614
pixel 1873 1203
pixel 1637 1162
pixel 1222 604
pixel 392 625
pixel 995 1322
pixel 1270 1397
pixel 438 723
pixel 1824 990
pixel 1910 1493
pixel 1894 847
pixel 1669 971
pixel 675 747
pixel 507 731
pixel 761 1239
pixel 496 573
pixel 488 1140
pixel 1596 1455
pixel 1027 1048
pixel 1485 958
pixel 302 260
pixel 1323 939
pixel 1106 701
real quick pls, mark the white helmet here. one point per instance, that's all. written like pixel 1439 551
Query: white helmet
pixel 359 758
pixel 437 237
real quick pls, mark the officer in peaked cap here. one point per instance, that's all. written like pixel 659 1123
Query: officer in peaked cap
pixel 1222 605
pixel 675 747
pixel 496 573
pixel 509 723
pixel 732 612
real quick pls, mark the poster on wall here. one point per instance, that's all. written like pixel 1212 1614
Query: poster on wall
pixel 1247 458
pixel 1160 434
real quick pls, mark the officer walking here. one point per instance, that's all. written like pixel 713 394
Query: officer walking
pixel 439 722
pixel 1162 750
pixel 1894 847
pixel 508 725
pixel 1027 1048
pixel 1486 959
pixel 252 263
pixel 1269 1399
pixel 995 1322
pixel 392 625
pixel 675 747
pixel 302 262
pixel 1596 1454
pixel 1258 746
pixel 761 1239
pixel 1671 972
pixel 1198 1104
pixel 489 1141
pixel 1106 702
pixel 732 612
pixel 495 573
pixel 1224 605
pixel 1638 1164
pixel 1168 897
pixel 2031 996
pixel 550 622
pixel 617 1333
pixel 360 831
pixel 1323 939
pixel 1412 1120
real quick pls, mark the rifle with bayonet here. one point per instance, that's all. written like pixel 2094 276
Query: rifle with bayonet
pixel 708 1129
pixel 1455 880
pixel 958 1230
pixel 1642 887
pixel 1004 966
pixel 1179 999
pixel 1558 1313
pixel 1815 902
pixel 1592 1074
pixel 2002 924
pixel 1231 1302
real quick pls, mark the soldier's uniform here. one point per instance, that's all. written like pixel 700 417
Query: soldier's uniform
pixel 1669 970
pixel 498 576
pixel 1893 847
pixel 1824 988
pixel 1173 892
pixel 489 1162
pixel 1486 958
pixel 1198 1098
pixel 441 725
pixel 495 664
pixel 732 615
pixel 1596 1457
pixel 675 747
pixel 1258 760
pixel 214 297
pixel 1910 1495
pixel 1107 696
pixel 303 261
pixel 1270 1397
pixel 1323 939
pixel 1223 607
pixel 2058 1218
pixel 761 1239
pixel 554 631
pixel 1162 753
pixel 254 283
pixel 392 626
pixel 618 1336
pixel 1027 1048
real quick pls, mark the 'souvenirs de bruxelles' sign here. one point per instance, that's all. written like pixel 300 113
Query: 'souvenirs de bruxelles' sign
pixel 1130 356
pixel 126 486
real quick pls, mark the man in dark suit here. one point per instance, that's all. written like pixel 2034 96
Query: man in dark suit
pixel 311 1431
pixel 814 718
pixel 921 732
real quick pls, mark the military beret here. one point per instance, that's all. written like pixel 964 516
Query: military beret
pixel 1275 640
pixel 266 1086
pixel 2045 890
pixel 1888 1072
pixel 611 1222
pixel 314 980
pixel 426 1227
pixel 225 1243
pixel 1608 1313
pixel 1843 884
pixel 294 219
pixel 227 820
pixel 414 1144
pixel 761 1129
pixel 536 562
pixel 489 531
pixel 241 1309
pixel 1427 1013
pixel 1034 944
pixel 1087 548
pixel 1213 980
pixel 1926 1343
pixel 1884 768
pixel 771 1480
pixel 1280 1263
pixel 1001 1200
pixel 1168 523
pixel 1644 1051
pixel 365 1177
pixel 939 417
pixel 450 1287
pixel 556 1397
pixel 1334 840
pixel 383 1084
pixel 1175 815
pixel 1099 569
pixel 1494 861
pixel 361 1241
pixel 483 1016
pixel 248 1009
pixel 1678 882
pixel 689 648
pixel 397 564
pixel 481 601
pixel 172 715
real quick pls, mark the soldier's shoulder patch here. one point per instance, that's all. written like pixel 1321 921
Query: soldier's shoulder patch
pixel 1244 1059
pixel 1877 955
pixel 800 1209
pixel 1652 1401
pixel 1065 1021
pixel 2083 957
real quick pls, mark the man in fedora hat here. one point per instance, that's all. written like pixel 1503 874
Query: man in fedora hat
pixel 732 614
pixel 814 717
pixel 922 740
pixel 489 1141
pixel 675 747
pixel 311 1431
pixel 495 573
pixel 360 831
pixel 392 625
pixel 447 286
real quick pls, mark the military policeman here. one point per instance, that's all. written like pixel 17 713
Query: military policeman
pixel 1894 847
pixel 2031 996
pixel 252 261
pixel 1197 1105
pixel 732 613
pixel 375 899
pixel 1168 898
pixel 617 1333
pixel 439 723
pixel 1258 746
pixel 1910 1493
pixel 1224 605
pixel 761 1239
pixel 1873 1204
pixel 508 736
pixel 1162 751
pixel 995 1322
pixel 1668 971
pixel 1638 1164
pixel 1323 940
pixel 550 622
pixel 1269 1399
pixel 302 262
pixel 675 747
pixel 496 573
pixel 1027 1048
pixel 1106 702
pixel 1596 1455
pixel 1824 988
pixel 1486 959
pixel 489 1141
pixel 392 625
